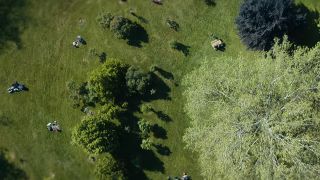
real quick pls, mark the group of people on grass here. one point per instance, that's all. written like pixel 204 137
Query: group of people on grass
pixel 79 40
pixel 184 177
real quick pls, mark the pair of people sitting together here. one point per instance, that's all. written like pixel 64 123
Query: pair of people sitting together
pixel 79 40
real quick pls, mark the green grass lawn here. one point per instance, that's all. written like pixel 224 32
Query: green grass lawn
pixel 46 61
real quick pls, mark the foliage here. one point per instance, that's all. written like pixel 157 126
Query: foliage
pixel 260 21
pixel 122 27
pixel 145 128
pixel 257 118
pixel 98 133
pixel 145 108
pixel 172 24
pixel 104 19
pixel 108 168
pixel 137 81
pixel 108 82
pixel 94 53
pixel 79 94
pixel 146 144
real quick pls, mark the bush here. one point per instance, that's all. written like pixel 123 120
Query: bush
pixel 108 83
pixel 145 108
pixel 145 128
pixel 108 167
pixel 104 19
pixel 173 24
pixel 260 21
pixel 122 27
pixel 97 133
pixel 79 94
pixel 146 144
pixel 137 81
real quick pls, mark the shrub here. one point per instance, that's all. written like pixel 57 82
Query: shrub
pixel 173 24
pixel 260 21
pixel 108 167
pixel 122 27
pixel 104 19
pixel 146 144
pixel 145 128
pixel 137 81
pixel 79 94
pixel 145 108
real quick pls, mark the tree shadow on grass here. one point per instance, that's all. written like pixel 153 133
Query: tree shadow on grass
pixel 140 35
pixel 9 170
pixel 165 74
pixel 12 20
pixel 163 150
pixel 308 34
pixel 162 116
pixel 159 132
pixel 183 48
pixel 210 2
pixel 137 160
pixel 140 18
pixel 160 88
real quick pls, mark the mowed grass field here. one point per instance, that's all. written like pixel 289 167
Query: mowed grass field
pixel 46 61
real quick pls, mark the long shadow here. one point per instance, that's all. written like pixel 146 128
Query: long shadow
pixel 138 36
pixel 9 170
pixel 165 74
pixel 137 160
pixel 159 132
pixel 163 150
pixel 12 18
pixel 162 116
pixel 210 2
pixel 183 48
pixel 140 18
pixel 308 34
pixel 160 88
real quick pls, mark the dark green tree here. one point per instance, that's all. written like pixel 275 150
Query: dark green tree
pixel 122 27
pixel 108 83
pixel 260 21
pixel 137 81
pixel 104 19
pixel 98 133
pixel 108 168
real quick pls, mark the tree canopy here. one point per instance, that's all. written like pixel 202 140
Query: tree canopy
pixel 98 133
pixel 108 168
pixel 257 118
pixel 260 21
pixel 108 82
pixel 137 81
